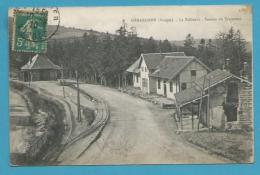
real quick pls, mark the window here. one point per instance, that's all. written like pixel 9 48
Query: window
pixel 159 84
pixel 193 73
pixel 183 86
pixel 142 69
pixel 145 69
pixel 137 78
pixel 171 89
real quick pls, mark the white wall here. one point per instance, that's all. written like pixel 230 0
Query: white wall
pixel 135 83
pixel 152 85
pixel 159 91
pixel 185 76
pixel 174 89
pixel 144 73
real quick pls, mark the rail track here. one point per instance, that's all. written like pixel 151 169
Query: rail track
pixel 101 118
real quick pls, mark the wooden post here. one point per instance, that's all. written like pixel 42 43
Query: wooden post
pixel 62 80
pixel 119 81
pixel 208 106
pixel 29 78
pixel 78 97
pixel 201 100
pixel 181 119
pixel 23 76
pixel 192 117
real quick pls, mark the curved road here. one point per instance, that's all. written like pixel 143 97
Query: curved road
pixel 138 133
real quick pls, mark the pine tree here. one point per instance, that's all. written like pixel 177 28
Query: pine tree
pixel 150 46
pixel 166 46
pixel 189 48
pixel 233 48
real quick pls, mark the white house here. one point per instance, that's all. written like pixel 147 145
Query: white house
pixel 176 73
pixel 135 71
pixel 145 65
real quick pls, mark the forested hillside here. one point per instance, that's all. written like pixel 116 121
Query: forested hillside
pixel 104 57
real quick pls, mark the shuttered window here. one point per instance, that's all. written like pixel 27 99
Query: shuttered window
pixel 193 73
pixel 183 86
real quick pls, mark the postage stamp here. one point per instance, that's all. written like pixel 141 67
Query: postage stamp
pixel 30 31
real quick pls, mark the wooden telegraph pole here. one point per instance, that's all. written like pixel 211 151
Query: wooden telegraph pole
pixel 78 97
pixel 208 106
pixel 62 81
pixel 192 117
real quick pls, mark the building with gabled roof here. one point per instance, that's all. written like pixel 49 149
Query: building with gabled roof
pixel 152 60
pixel 166 73
pixel 221 99
pixel 135 71
pixel 39 68
pixel 145 65
pixel 176 73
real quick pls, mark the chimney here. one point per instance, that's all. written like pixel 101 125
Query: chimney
pixel 245 70
pixel 226 66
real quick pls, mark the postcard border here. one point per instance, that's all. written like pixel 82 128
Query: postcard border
pixel 251 169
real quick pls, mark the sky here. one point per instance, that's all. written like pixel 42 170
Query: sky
pixel 162 22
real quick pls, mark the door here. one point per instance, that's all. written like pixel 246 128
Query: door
pixel 164 89
pixel 232 101
pixel 145 85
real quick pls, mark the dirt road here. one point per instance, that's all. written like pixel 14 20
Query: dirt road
pixel 138 133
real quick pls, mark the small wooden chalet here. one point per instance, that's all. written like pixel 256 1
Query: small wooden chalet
pixel 39 68
pixel 218 100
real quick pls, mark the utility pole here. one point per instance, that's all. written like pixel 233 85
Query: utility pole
pixel 208 106
pixel 62 81
pixel 201 100
pixel 78 97
pixel 119 83
pixel 192 117
pixel 29 78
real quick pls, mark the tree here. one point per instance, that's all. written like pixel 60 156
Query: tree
pixel 165 46
pixel 189 41
pixel 209 59
pixel 201 45
pixel 233 48
pixel 206 52
pixel 150 46
pixel 189 48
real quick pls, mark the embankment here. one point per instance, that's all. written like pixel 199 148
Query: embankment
pixel 46 123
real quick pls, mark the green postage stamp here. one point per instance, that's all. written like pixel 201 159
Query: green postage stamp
pixel 30 31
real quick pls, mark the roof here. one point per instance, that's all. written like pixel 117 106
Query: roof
pixel 171 66
pixel 188 95
pixel 40 62
pixel 215 77
pixel 152 60
pixel 134 68
pixel 212 79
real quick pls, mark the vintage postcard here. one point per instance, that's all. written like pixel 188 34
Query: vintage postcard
pixel 131 85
